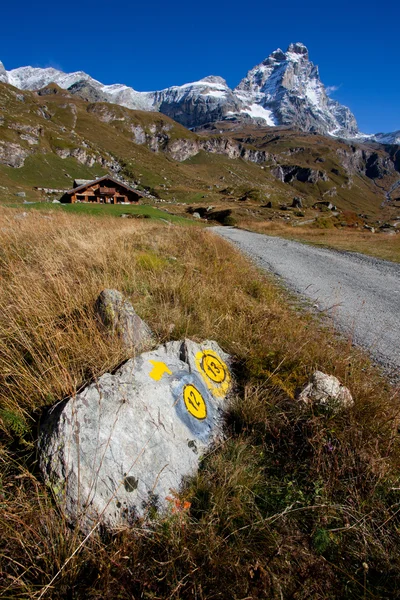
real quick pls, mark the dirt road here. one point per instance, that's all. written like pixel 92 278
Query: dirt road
pixel 361 293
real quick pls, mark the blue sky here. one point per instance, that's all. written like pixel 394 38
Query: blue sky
pixel 152 45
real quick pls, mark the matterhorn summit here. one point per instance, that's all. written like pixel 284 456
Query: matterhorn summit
pixel 288 85
pixel 284 89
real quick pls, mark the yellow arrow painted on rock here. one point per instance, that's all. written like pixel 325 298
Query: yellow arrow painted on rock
pixel 159 369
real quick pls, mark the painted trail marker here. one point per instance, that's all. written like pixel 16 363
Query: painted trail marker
pixel 194 402
pixel 125 443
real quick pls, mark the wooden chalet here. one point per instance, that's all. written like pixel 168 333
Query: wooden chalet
pixel 104 190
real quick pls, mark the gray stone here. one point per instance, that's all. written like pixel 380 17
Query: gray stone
pixel 324 204
pixel 326 391
pixel 20 194
pixel 124 445
pixel 119 317
pixel 12 155
pixel 297 202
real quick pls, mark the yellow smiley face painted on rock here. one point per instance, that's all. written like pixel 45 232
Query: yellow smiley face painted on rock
pixel 214 372
pixel 213 367
pixel 194 402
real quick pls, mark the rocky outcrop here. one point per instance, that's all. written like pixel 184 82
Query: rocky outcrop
pixel 289 173
pixel 373 164
pixel 12 155
pixel 28 133
pixel 378 166
pixel 184 148
pixel 88 158
pixel 83 89
pixel 122 448
pixel 352 158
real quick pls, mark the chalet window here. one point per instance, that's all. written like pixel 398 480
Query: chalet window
pixel 120 198
pixel 79 197
pixel 92 198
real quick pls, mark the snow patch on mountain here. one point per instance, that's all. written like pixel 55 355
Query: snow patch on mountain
pixel 255 111
pixel 387 138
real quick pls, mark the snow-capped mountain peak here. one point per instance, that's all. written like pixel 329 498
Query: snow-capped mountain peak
pixel 284 89
pixel 386 138
pixel 287 84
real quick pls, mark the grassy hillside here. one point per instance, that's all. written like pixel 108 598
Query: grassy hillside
pixel 53 138
pixel 294 503
pixel 144 211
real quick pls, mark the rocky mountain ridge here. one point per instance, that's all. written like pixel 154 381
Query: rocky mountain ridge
pixel 285 89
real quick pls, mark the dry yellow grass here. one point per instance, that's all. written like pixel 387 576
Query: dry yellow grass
pixel 281 502
pixel 380 245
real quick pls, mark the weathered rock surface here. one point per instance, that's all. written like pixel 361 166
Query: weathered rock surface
pixel 288 173
pixel 126 443
pixel 12 155
pixel 326 391
pixel 120 318
pixel 297 202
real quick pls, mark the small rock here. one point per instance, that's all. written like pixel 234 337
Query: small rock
pixel 196 215
pixel 326 391
pixel 21 194
pixel 297 202
pixel 119 317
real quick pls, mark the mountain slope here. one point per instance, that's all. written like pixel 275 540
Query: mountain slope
pixel 51 137
pixel 387 138
pixel 285 89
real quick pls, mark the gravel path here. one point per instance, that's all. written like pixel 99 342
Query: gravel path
pixel 361 293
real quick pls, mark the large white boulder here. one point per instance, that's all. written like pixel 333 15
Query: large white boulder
pixel 124 445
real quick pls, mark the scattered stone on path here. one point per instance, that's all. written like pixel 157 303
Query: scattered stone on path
pixel 124 445
pixel 326 391
pixel 119 317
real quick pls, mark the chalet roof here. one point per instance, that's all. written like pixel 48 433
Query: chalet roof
pixel 88 182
